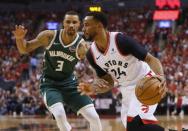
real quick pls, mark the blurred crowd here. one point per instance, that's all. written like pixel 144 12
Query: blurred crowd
pixel 20 74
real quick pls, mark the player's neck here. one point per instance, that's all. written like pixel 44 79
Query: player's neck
pixel 101 40
pixel 67 39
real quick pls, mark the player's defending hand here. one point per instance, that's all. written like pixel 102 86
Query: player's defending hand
pixel 98 86
pixel 19 32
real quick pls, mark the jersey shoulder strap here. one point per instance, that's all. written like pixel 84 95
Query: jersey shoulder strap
pixel 57 36
pixel 53 40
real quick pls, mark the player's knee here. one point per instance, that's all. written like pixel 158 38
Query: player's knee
pixel 92 117
pixel 59 113
pixel 57 110
pixel 95 122
pixel 95 119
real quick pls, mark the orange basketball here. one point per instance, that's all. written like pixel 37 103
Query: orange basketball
pixel 147 90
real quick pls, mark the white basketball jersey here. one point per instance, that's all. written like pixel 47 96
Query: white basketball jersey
pixel 126 69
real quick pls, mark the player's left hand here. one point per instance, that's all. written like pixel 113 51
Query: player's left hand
pixel 85 89
pixel 162 86
pixel 19 32
pixel 98 86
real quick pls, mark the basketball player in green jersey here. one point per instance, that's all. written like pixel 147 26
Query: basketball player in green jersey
pixel 58 85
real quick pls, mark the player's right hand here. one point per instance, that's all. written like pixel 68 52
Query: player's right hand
pixel 162 87
pixel 19 32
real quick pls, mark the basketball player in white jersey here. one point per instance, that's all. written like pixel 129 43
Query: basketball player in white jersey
pixel 115 56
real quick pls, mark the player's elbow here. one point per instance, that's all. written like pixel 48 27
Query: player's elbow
pixel 150 58
pixel 23 52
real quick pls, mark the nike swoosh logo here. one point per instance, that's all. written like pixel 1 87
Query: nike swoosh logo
pixel 98 57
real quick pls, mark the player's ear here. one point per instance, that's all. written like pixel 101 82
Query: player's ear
pixel 100 25
pixel 62 24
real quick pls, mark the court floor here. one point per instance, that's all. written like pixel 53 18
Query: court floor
pixel 28 123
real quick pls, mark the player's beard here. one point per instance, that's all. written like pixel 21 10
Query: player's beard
pixel 71 32
pixel 89 37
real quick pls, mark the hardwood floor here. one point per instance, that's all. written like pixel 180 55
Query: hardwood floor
pixel 28 123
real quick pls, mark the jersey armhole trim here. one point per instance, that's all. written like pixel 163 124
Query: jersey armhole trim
pixel 93 55
pixel 48 47
pixel 77 48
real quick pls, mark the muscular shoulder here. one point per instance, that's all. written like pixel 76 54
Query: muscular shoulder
pixel 127 45
pixel 45 37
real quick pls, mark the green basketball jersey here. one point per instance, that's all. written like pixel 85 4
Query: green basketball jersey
pixel 60 59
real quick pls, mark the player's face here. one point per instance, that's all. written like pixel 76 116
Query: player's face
pixel 89 28
pixel 71 24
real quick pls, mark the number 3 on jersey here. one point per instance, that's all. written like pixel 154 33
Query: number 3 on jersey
pixel 59 65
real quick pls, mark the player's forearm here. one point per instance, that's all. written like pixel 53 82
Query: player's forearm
pixel 21 45
pixel 110 80
pixel 110 84
pixel 155 65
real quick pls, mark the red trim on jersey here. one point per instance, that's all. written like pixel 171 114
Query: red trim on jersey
pixel 93 55
pixel 108 44
pixel 129 119
pixel 149 74
pixel 117 46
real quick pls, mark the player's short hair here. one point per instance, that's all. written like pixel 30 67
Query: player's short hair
pixel 99 16
pixel 71 12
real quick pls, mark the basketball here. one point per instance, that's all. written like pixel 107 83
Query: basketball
pixel 147 90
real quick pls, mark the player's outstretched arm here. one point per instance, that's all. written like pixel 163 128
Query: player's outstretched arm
pixel 24 46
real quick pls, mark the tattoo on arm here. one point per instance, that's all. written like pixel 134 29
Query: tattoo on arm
pixel 42 40
pixel 154 64
pixel 110 84
pixel 82 49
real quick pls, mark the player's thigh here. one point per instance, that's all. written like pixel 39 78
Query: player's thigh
pixel 51 95
pixel 125 105
pixel 75 101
